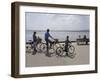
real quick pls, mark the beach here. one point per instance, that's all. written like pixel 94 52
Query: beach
pixel 81 57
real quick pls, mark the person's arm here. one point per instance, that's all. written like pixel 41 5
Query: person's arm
pixel 70 42
pixel 50 36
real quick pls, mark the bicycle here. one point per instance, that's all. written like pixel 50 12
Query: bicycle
pixel 52 49
pixel 30 46
pixel 62 53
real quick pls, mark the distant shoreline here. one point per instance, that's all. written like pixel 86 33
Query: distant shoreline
pixel 60 30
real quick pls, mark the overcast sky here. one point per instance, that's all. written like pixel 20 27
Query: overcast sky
pixel 43 21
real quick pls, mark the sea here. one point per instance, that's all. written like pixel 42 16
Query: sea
pixel 60 35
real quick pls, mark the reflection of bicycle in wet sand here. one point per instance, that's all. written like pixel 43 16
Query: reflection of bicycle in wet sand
pixel 60 51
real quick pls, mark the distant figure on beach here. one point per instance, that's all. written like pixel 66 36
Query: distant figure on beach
pixel 79 37
pixel 34 42
pixel 85 39
pixel 66 44
pixel 48 41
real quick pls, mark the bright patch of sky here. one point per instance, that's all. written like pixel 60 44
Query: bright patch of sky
pixel 43 21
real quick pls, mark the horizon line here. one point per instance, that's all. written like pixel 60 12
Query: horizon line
pixel 61 30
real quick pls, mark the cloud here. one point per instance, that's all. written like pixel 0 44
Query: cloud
pixel 42 21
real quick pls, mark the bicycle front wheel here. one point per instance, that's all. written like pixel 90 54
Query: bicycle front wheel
pixel 71 55
pixel 43 47
pixel 71 52
pixel 71 49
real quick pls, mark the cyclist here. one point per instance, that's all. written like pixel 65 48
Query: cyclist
pixel 34 42
pixel 66 44
pixel 47 35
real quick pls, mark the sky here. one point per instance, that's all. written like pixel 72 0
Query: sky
pixel 44 21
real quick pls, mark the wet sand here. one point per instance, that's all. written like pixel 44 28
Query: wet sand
pixel 81 57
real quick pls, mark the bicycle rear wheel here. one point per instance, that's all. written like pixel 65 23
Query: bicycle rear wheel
pixel 60 52
pixel 29 49
pixel 38 48
pixel 51 52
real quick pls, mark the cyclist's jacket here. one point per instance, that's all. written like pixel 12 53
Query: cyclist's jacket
pixel 34 38
pixel 47 35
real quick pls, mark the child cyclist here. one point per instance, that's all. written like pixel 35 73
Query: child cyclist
pixel 67 44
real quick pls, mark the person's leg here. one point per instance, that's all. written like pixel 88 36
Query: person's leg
pixel 47 47
pixel 66 49
pixel 47 54
pixel 49 41
pixel 34 47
